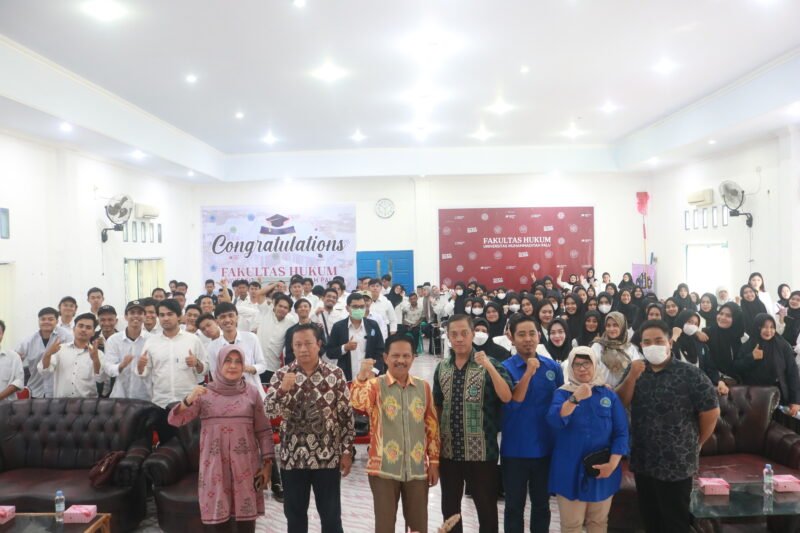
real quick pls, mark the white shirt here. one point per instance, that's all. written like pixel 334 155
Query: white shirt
pixel 251 353
pixel 69 326
pixel 602 370
pixel 127 385
pixel 73 372
pixel 31 351
pixel 381 323
pixel 248 315
pixel 155 331
pixel 360 336
pixel 172 378
pixel 272 334
pixel 11 372
pixel 384 307
pixel 327 319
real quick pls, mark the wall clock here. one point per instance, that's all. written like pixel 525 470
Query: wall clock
pixel 384 208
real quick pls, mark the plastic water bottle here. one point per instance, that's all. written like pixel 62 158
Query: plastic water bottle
pixel 60 504
pixel 768 487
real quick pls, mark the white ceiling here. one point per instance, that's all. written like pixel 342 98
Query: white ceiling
pixel 255 56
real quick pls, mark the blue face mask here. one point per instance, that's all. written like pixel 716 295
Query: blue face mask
pixel 357 314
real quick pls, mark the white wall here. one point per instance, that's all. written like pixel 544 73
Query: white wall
pixel 417 200
pixel 56 198
pixel 669 190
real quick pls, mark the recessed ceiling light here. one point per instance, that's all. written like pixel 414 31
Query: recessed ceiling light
pixel 138 154
pixel 269 138
pixel 239 115
pixel 573 132
pixel 665 66
pixel 104 10
pixel 794 109
pixel 190 173
pixel 609 107
pixel 482 134
pixel 500 107
pixel 430 45
pixel 329 72
pixel 66 127
pixel 653 161
pixel 191 78
pixel 712 141
pixel 358 136
pixel 524 69
pixel 299 3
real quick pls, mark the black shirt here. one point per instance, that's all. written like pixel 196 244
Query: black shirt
pixel 664 420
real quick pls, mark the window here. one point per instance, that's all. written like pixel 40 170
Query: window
pixel 5 230
pixel 142 276
pixel 6 314
pixel 707 267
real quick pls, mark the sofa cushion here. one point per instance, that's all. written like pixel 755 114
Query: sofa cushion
pixel 180 497
pixel 69 432
pixel 745 416
pixel 33 489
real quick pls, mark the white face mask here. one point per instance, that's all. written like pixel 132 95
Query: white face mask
pixel 690 329
pixel 480 338
pixel 501 295
pixel 468 310
pixel 513 308
pixel 604 308
pixel 655 354
pixel 459 292
pixel 477 311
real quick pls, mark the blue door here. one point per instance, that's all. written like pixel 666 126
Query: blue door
pixel 398 263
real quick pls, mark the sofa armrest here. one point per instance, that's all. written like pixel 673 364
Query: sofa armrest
pixel 782 445
pixel 130 467
pixel 167 465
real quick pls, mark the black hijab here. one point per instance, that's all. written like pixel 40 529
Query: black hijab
pixel 586 337
pixel 458 303
pixel 683 303
pixel 781 300
pixel 559 353
pixel 574 321
pixel 792 322
pixel 750 310
pixel 724 344
pixel 687 346
pixel 495 328
pixel 709 316
pixel 627 284
pixel 764 372
pixel 614 297
pixel 630 310
pixel 394 297
pixel 670 320
pixel 489 347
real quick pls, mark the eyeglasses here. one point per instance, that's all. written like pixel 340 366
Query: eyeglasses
pixel 582 366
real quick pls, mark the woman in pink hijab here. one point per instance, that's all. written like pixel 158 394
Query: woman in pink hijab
pixel 236 449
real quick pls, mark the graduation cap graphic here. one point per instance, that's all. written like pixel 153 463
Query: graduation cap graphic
pixel 276 226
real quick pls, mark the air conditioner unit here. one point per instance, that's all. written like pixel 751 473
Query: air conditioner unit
pixel 699 198
pixel 146 211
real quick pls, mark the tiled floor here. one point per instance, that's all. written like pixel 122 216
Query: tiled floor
pixel 357 498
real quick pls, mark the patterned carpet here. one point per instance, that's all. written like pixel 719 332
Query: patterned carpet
pixel 357 498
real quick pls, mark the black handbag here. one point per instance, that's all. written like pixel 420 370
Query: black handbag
pixel 596 458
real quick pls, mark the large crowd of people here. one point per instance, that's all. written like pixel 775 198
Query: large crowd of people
pixel 537 392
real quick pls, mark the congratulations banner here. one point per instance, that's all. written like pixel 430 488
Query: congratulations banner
pixel 503 246
pixel 258 242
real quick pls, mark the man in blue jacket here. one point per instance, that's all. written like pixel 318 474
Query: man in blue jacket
pixel 527 439
pixel 355 338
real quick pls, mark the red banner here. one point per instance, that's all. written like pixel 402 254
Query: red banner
pixel 502 246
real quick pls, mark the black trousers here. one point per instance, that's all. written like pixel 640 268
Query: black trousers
pixel 165 431
pixel 414 331
pixel 664 505
pixel 435 335
pixel 297 485
pixel 522 477
pixel 482 479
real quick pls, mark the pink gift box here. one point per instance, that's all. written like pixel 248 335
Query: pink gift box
pixel 80 514
pixel 786 483
pixel 7 513
pixel 714 486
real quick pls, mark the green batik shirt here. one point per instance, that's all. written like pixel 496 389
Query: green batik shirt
pixel 471 410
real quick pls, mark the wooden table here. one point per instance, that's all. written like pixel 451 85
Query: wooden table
pixel 46 522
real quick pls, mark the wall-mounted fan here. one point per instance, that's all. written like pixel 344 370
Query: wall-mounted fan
pixel 733 196
pixel 118 210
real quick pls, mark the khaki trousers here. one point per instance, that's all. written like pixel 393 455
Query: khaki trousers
pixel 385 495
pixel 574 513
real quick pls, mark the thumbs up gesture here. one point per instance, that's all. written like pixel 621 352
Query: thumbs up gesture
pixel 758 353
pixel 365 372
pixel 351 345
pixel 191 360
pixel 142 363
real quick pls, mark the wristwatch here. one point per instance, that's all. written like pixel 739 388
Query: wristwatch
pixel 574 400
